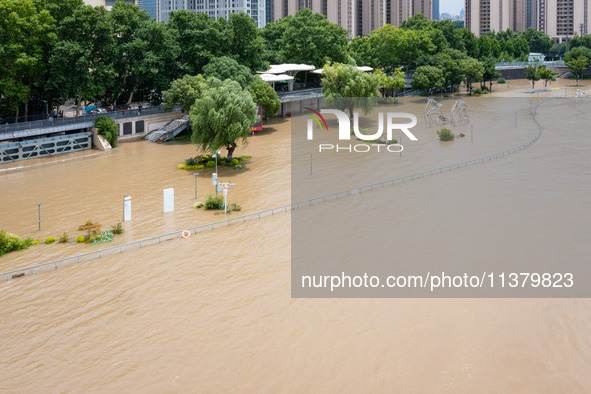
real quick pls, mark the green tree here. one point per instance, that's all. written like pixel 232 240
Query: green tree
pixel 200 38
pixel 459 24
pixel 227 68
pixel 391 83
pixel 532 72
pixel 108 129
pixel 557 50
pixel 538 41
pixel 473 70
pixel 246 42
pixel 451 34
pixel 183 91
pixel 470 42
pixel 488 47
pixel 577 53
pixel 578 67
pixel 427 78
pixel 576 41
pixel 26 35
pixel 361 50
pixel 222 116
pixel 416 22
pixel 490 72
pixel 347 86
pixel 272 35
pixel 264 95
pixel 146 49
pixel 449 63
pixel 547 75
pixel 82 64
pixel 311 39
pixel 396 47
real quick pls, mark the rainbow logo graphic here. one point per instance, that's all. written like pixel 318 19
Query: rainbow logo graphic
pixel 317 117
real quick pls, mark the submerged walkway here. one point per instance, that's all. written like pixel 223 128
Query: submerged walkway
pixel 51 265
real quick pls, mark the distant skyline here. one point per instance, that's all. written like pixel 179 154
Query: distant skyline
pixel 452 7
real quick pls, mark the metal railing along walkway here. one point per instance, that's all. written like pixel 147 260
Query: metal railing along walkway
pixel 47 126
pixel 20 272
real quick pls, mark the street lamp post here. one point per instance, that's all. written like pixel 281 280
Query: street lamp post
pixel 39 214
pixel 215 178
pixel 195 173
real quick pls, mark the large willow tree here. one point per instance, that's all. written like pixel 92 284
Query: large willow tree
pixel 222 116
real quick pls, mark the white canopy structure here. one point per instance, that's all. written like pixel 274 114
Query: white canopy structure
pixel 362 68
pixel 290 69
pixel 272 78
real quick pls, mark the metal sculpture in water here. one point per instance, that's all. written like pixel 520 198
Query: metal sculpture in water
pixel 432 114
pixel 458 115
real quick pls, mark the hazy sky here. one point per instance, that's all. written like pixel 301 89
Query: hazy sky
pixel 452 7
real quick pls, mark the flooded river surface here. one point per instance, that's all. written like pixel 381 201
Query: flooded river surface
pixel 214 313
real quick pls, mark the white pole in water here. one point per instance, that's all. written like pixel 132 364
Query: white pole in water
pixel 126 208
pixel 515 119
pixel 195 173
pixel 225 200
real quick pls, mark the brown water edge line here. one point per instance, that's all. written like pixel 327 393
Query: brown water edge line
pixel 21 272
pixel 22 168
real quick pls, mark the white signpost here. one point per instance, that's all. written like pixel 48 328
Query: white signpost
pixel 224 186
pixel 168 195
pixel 126 208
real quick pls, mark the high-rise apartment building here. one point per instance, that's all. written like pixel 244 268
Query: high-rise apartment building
pixel 214 8
pixel 359 17
pixel 559 19
pixel 562 19
pixel 107 3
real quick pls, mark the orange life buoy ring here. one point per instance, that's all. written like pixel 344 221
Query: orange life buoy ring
pixel 186 234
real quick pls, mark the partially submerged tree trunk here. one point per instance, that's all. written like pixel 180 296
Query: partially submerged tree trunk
pixel 230 147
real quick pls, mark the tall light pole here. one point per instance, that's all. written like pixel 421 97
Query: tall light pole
pixel 39 214
pixel 195 173
pixel 215 178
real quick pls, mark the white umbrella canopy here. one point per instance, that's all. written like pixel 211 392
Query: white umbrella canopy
pixel 291 69
pixel 287 68
pixel 275 77
pixel 362 68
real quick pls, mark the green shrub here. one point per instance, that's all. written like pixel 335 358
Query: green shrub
pixel 210 164
pixel 117 229
pixel 108 129
pixel 81 239
pixel 11 242
pixel 89 240
pixel 49 240
pixel 235 162
pixel 107 236
pixel 190 161
pixel 214 202
pixel 63 238
pixel 183 166
pixel 238 167
pixel 501 80
pixel 198 204
pixel 236 207
pixel 446 135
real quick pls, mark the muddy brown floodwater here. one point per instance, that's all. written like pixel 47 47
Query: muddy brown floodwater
pixel 214 314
